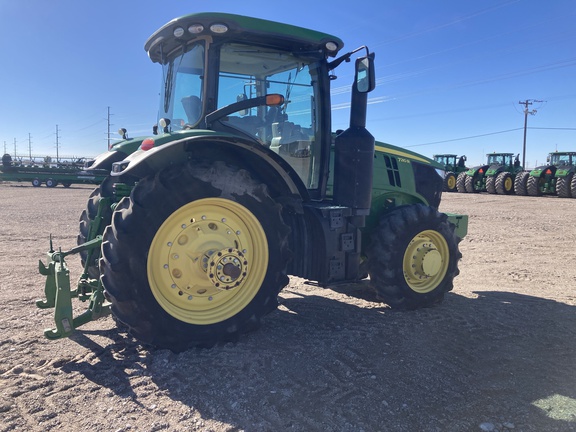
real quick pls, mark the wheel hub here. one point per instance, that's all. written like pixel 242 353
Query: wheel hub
pixel 425 261
pixel 227 268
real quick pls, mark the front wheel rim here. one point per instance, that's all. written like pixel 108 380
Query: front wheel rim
pixel 207 261
pixel 425 261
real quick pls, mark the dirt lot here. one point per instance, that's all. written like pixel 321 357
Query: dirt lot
pixel 499 354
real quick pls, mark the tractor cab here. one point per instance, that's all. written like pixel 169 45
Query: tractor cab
pixel 562 159
pixel 265 84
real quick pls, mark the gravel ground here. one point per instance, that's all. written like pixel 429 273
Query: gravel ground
pixel 498 355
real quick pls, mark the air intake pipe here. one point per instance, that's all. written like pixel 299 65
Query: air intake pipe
pixel 354 148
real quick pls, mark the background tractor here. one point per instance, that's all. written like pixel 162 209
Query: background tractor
pixel 453 166
pixel 192 236
pixel 554 178
pixel 497 176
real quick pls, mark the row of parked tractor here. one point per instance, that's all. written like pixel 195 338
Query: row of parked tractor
pixel 502 174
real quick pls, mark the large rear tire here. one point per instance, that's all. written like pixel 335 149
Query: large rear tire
pixel 196 256
pixel 461 182
pixel 563 186
pixel 533 186
pixel 413 257
pixel 491 184
pixel 471 182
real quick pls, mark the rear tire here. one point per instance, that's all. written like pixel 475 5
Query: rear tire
pixel 471 183
pixel 51 183
pixel 563 186
pixel 491 184
pixel 461 182
pixel 520 183
pixel 203 267
pixel 533 186
pixel 413 257
pixel 36 182
pixel 573 187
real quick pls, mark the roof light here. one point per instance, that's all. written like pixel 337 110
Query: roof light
pixel 331 46
pixel 178 32
pixel 219 28
pixel 196 28
pixel 147 144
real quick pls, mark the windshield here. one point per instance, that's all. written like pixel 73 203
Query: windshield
pixel 181 93
pixel 290 130
pixel 560 159
pixel 499 159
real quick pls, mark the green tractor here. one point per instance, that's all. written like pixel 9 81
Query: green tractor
pixel 554 178
pixel 191 238
pixel 453 165
pixel 496 177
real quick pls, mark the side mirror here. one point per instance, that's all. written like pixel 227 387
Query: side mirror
pixel 365 74
pixel 240 98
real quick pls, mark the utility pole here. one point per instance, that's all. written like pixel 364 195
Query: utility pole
pixel 526 104
pixel 57 145
pixel 4 147
pixel 14 148
pixel 109 124
pixel 30 147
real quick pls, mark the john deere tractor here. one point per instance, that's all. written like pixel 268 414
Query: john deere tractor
pixel 453 165
pixel 497 176
pixel 193 235
pixel 554 178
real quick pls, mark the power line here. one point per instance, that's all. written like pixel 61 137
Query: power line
pixel 464 138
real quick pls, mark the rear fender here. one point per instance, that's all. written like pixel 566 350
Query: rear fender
pixel 259 160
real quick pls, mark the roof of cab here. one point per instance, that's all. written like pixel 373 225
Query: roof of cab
pixel 240 28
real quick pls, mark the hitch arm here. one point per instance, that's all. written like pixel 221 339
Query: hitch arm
pixel 59 294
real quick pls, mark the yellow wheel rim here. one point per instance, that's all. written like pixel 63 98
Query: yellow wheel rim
pixel 207 261
pixel 451 182
pixel 508 184
pixel 425 261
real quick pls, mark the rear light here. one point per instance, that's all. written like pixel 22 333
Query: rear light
pixel 147 144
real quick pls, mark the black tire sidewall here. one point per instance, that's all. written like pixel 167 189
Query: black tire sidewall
pixel 394 234
pixel 136 305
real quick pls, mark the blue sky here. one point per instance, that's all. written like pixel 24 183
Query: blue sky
pixel 450 73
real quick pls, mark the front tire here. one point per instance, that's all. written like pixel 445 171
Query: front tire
pixel 450 182
pixel 413 257
pixel 201 268
pixel 504 184
pixel 87 219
